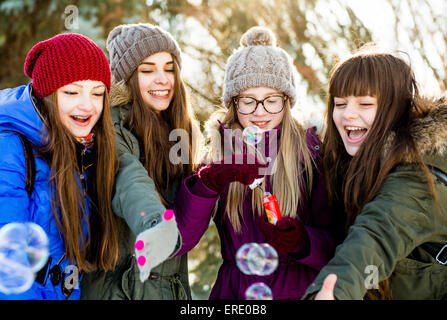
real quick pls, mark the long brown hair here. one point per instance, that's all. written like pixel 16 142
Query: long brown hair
pixel 100 248
pixel 356 181
pixel 152 131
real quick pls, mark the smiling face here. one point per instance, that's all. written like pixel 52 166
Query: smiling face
pixel 156 80
pixel 80 105
pixel 260 118
pixel 353 117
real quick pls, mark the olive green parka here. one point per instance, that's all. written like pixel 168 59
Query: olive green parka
pixel 139 207
pixel 385 240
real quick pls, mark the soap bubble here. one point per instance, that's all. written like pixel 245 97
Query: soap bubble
pixel 245 257
pixel 25 243
pixel 258 291
pixel 269 260
pixel 252 135
pixel 257 259
pixel 23 252
pixel 14 277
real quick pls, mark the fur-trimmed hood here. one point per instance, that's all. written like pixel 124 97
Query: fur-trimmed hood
pixel 119 93
pixel 429 132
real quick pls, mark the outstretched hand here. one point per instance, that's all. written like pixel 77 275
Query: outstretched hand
pixel 243 168
pixel 156 244
pixel 327 291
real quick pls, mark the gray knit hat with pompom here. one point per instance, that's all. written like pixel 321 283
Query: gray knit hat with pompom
pixel 129 44
pixel 258 62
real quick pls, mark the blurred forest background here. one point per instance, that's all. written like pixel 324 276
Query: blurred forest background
pixel 314 32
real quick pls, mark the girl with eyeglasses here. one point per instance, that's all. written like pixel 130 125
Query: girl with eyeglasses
pixel 259 92
pixel 386 165
pixel 64 115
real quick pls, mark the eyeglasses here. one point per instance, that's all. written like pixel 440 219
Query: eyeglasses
pixel 272 104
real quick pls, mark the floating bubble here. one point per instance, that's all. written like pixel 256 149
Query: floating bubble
pixel 245 257
pixel 269 260
pixel 258 291
pixel 14 277
pixel 25 243
pixel 257 259
pixel 252 135
pixel 23 251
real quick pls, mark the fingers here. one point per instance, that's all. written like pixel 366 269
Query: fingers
pixel 327 291
pixel 329 282
pixel 241 159
pixel 247 158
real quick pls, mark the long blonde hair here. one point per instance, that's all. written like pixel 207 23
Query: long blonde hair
pixel 287 181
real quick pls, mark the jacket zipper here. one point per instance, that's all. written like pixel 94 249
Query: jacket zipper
pixel 82 174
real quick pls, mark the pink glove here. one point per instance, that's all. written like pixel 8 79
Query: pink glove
pixel 217 176
pixel 288 235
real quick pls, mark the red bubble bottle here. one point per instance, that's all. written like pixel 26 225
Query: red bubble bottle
pixel 270 203
pixel 271 207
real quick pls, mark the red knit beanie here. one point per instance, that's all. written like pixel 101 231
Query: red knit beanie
pixel 64 59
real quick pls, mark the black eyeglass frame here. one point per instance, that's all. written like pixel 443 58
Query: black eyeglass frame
pixel 236 103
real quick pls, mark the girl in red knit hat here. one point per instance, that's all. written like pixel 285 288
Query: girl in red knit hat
pixel 64 182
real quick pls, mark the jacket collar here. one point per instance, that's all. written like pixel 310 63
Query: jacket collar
pixel 119 93
pixel 429 132
pixel 18 112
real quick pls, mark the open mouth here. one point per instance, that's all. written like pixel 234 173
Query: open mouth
pixel 355 134
pixel 159 93
pixel 261 124
pixel 81 120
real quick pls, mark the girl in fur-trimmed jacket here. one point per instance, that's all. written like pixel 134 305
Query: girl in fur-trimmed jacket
pixel 149 100
pixel 259 90
pixel 385 155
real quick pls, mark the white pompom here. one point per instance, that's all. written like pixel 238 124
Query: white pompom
pixel 258 36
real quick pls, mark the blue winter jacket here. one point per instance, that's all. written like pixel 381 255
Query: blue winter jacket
pixel 18 113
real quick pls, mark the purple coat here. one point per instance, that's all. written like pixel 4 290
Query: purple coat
pixel 295 272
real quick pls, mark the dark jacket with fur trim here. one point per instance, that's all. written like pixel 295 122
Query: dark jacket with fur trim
pixel 137 202
pixel 385 240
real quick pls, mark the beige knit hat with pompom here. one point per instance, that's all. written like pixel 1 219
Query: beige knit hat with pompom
pixel 258 62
